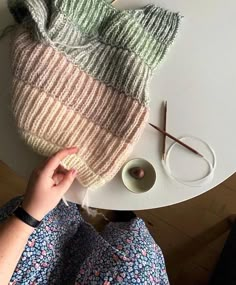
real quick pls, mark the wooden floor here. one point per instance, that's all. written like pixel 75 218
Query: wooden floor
pixel 191 234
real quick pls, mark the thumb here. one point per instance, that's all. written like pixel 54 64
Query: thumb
pixel 68 179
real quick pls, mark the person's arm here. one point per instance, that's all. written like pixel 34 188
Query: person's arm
pixel 45 189
pixel 13 238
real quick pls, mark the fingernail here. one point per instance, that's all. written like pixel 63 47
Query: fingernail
pixel 74 148
pixel 71 147
pixel 74 171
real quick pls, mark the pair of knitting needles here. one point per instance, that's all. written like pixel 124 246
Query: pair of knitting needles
pixel 170 136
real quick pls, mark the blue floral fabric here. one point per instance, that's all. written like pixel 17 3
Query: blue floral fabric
pixel 65 249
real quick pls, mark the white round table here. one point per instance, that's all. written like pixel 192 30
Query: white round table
pixel 197 78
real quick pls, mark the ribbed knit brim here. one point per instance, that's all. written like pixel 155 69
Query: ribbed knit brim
pixel 81 70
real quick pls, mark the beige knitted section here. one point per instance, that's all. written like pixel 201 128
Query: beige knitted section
pixel 57 105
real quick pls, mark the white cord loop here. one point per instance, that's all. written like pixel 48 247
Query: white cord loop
pixel 196 182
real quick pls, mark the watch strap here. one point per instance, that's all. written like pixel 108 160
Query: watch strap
pixel 21 214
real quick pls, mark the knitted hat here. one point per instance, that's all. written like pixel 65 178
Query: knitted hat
pixel 81 69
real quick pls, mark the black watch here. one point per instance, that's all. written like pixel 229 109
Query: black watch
pixel 21 214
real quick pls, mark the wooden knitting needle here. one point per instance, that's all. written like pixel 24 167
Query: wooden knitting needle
pixel 164 129
pixel 175 139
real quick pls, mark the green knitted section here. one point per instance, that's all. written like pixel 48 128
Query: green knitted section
pixel 119 28
pixel 147 32
pixel 119 48
pixel 114 66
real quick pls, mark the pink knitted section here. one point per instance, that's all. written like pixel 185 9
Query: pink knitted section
pixel 58 105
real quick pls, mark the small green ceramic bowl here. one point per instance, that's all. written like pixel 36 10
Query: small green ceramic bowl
pixel 138 185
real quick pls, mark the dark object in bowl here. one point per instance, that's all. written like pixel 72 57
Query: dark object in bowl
pixel 137 172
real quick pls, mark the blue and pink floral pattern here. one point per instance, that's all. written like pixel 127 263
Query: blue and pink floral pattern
pixel 65 249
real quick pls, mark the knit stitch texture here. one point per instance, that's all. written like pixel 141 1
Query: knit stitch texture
pixel 81 70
